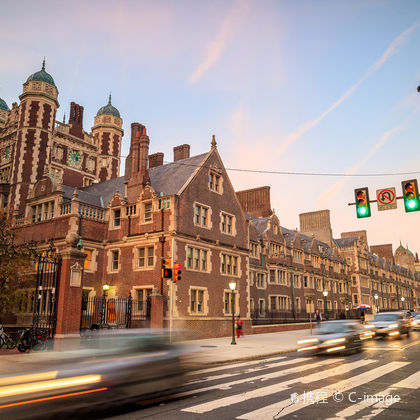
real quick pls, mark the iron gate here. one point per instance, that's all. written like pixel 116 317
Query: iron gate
pixel 48 267
pixel 104 312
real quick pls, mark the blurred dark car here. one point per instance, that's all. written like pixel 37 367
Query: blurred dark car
pixel 336 337
pixel 391 324
pixel 109 368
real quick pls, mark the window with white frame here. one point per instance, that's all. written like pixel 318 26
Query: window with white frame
pixel 214 182
pixel 319 303
pixel 147 217
pixel 227 302
pixel 226 223
pixel 297 283
pixel 260 280
pixel 197 301
pixel 44 211
pixel 229 264
pixel 201 215
pixel 254 250
pixel 272 276
pixel 115 256
pixel 261 307
pixel 145 257
pixel 142 295
pixel 197 258
pixel 116 218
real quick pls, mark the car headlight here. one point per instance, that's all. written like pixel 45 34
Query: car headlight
pixel 393 326
pixel 414 322
pixel 369 326
pixel 335 340
pixel 308 340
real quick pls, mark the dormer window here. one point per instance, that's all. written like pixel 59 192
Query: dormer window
pixel 117 218
pixel 148 212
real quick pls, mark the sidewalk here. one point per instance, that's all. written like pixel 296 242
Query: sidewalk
pixel 248 347
pixel 202 352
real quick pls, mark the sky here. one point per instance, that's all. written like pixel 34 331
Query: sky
pixel 308 86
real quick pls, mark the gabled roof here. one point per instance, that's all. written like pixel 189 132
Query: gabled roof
pixel 170 178
pixel 166 179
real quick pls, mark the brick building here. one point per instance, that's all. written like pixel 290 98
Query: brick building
pixel 290 270
pixel 62 183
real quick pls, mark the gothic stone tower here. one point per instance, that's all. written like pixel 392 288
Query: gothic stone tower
pixel 32 150
pixel 108 131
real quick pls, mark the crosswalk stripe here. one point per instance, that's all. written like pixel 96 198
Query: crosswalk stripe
pixel 228 385
pixel 273 389
pixel 285 407
pixel 412 382
pixel 235 365
pixel 254 369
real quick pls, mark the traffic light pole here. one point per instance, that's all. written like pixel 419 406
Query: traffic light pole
pixel 171 300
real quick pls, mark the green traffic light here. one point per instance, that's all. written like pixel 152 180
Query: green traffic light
pixel 362 211
pixel 411 204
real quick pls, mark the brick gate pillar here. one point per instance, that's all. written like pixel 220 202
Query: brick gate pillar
pixel 156 309
pixel 69 299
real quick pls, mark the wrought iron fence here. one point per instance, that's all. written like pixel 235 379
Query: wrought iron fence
pixel 101 312
pixel 288 317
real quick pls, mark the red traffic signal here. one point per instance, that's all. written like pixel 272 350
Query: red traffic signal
pixel 167 273
pixel 177 272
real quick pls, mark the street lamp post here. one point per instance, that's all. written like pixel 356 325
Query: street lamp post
pixel 376 302
pixel 325 293
pixel 232 287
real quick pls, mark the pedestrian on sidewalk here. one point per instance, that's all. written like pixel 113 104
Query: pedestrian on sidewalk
pixel 239 324
pixel 318 317
pixel 362 317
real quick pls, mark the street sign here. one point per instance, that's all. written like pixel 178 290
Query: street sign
pixel 386 198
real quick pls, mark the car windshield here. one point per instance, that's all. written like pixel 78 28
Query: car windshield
pixel 386 317
pixel 334 328
pixel 417 316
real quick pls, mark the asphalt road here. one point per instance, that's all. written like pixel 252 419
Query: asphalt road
pixel 382 382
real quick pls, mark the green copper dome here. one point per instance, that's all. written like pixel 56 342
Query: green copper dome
pixel 109 109
pixel 42 76
pixel 3 105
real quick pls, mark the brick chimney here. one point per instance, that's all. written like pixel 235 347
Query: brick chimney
pixel 76 120
pixel 181 152
pixel 138 161
pixel 155 160
pixel 256 201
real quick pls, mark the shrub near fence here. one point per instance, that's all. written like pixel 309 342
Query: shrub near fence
pixel 101 312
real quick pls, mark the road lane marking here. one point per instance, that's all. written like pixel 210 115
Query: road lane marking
pixel 273 389
pixel 285 408
pixel 246 371
pixel 228 385
pixel 235 365
pixel 412 382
